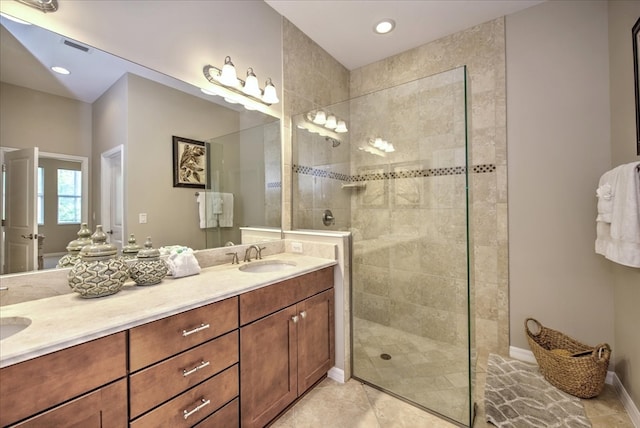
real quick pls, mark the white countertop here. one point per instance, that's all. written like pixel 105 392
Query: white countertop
pixel 63 321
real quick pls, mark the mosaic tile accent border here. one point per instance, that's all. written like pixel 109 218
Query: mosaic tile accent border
pixel 274 185
pixel 431 172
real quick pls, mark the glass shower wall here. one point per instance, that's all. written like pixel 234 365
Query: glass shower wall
pixel 402 182
pixel 244 168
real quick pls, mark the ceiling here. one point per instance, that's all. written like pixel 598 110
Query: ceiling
pixel 344 28
pixel 346 33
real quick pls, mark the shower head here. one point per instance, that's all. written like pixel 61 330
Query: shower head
pixel 334 142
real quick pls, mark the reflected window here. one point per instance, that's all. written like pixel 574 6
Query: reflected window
pixel 69 196
pixel 40 197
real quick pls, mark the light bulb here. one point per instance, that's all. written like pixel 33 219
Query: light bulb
pixel 228 76
pixel 331 122
pixel 251 84
pixel 60 70
pixel 270 96
pixel 342 127
pixel 320 118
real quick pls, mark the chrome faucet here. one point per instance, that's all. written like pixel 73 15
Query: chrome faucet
pixel 247 254
pixel 234 260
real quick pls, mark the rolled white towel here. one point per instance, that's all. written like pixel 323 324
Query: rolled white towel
pixel 605 196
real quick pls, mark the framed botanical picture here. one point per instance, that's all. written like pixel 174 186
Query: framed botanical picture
pixel 189 163
pixel 635 32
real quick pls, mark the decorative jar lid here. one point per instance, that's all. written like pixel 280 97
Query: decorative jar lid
pixel 100 248
pixel 148 252
pixel 84 238
pixel 132 247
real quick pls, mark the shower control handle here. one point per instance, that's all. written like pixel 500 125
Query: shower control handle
pixel 327 218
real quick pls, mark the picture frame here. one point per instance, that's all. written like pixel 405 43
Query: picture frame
pixel 635 32
pixel 190 161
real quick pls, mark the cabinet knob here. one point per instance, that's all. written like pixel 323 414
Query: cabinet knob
pixel 294 319
pixel 303 314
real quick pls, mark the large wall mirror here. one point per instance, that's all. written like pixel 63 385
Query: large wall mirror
pixel 105 137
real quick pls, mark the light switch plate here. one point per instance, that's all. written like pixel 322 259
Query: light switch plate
pixel 142 218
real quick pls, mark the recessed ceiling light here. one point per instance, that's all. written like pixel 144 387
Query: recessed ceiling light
pixel 60 70
pixel 385 26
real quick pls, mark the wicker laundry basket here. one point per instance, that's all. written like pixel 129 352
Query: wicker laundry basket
pixel 567 364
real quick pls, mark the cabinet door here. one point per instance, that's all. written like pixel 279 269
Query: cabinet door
pixel 316 331
pixel 104 408
pixel 268 373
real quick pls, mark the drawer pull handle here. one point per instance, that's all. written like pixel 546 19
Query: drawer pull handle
pixel 201 327
pixel 202 365
pixel 294 319
pixel 303 314
pixel 203 403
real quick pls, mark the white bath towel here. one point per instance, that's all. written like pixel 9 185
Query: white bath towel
pixel 618 221
pixel 215 209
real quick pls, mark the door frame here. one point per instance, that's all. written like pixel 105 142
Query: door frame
pixel 105 187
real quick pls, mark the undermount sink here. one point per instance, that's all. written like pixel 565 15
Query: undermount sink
pixel 262 266
pixel 12 325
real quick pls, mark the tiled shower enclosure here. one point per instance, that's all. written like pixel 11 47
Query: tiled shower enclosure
pixel 406 204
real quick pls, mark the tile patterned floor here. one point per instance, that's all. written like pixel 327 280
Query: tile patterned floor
pixel 357 405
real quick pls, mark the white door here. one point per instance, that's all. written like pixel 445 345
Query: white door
pixel 112 199
pixel 21 225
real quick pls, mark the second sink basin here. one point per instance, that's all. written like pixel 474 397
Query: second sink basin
pixel 261 266
pixel 12 325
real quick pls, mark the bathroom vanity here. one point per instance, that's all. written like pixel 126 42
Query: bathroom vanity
pixel 225 348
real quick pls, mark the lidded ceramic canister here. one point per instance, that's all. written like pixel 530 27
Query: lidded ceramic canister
pixel 74 247
pixel 100 272
pixel 130 251
pixel 148 268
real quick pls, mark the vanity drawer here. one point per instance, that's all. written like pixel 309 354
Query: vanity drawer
pixel 227 417
pixel 267 300
pixel 32 386
pixel 181 411
pixel 157 340
pixel 160 382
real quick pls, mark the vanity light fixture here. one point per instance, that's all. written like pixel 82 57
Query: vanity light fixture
pixel 228 79
pixel 42 5
pixel 385 26
pixel 329 121
pixel 382 145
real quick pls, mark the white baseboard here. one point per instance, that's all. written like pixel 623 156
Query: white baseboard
pixel 336 374
pixel 627 402
pixel 522 354
pixel 611 379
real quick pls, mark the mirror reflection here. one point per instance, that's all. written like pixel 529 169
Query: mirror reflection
pixel 114 122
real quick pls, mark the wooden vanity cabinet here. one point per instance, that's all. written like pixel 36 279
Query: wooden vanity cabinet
pixel 184 368
pixel 78 380
pixel 286 343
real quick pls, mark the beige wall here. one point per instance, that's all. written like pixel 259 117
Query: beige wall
pixel 109 131
pixel 626 281
pixel 558 133
pixel 155 114
pixel 54 124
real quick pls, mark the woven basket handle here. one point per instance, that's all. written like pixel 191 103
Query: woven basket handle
pixel 537 325
pixel 601 352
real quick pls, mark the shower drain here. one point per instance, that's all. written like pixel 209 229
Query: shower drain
pixel 385 356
